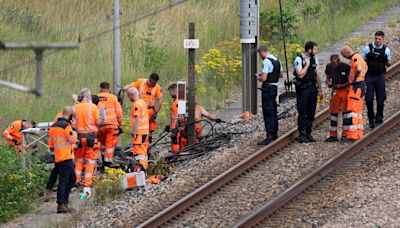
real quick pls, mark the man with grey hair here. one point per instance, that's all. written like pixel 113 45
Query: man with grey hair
pixel 140 127
pixel 87 121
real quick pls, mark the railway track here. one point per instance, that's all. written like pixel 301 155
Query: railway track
pixel 188 202
pixel 392 124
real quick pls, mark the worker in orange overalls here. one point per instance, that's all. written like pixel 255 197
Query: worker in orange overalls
pixel 13 134
pixel 110 129
pixel 62 139
pixel 337 77
pixel 150 92
pixel 87 121
pixel 140 127
pixel 199 113
pixel 356 94
pixel 173 124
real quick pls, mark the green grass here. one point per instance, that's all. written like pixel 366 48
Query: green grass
pixel 69 71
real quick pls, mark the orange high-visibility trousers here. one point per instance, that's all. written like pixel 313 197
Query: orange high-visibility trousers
pixel 140 144
pixel 152 122
pixel 355 109
pixel 85 161
pixel 338 103
pixel 175 143
pixel 108 139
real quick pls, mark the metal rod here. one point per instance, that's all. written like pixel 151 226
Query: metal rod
pixel 39 72
pixel 117 49
pixel 284 48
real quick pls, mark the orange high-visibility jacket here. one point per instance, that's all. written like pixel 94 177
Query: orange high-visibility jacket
pixel 174 114
pixel 14 130
pixel 357 59
pixel 87 115
pixel 61 139
pixel 58 115
pixel 148 94
pixel 139 110
pixel 113 111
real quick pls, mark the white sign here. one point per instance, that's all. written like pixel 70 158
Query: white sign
pixel 191 43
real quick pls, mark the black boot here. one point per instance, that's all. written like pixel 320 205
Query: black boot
pixel 266 141
pixel 62 208
pixel 310 138
pixel 303 137
pixel 332 139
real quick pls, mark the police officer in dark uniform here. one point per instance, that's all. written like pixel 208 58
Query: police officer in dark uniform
pixel 271 72
pixel 308 86
pixel 378 57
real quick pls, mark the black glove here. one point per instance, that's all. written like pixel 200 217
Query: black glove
pixel 16 142
pixel 174 139
pixel 154 116
pixel 120 131
pixel 218 120
pixel 167 129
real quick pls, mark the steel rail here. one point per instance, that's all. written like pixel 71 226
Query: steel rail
pixel 321 172
pixel 235 171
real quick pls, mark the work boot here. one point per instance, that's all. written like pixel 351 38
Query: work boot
pixel 62 208
pixel 266 141
pixel 347 140
pixel 310 138
pixel 378 122
pixel 332 139
pixel 303 137
pixel 107 164
pixel 48 192
pixel 372 125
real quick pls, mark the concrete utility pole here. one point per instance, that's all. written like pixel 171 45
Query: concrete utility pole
pixel 38 49
pixel 117 49
pixel 191 89
pixel 249 24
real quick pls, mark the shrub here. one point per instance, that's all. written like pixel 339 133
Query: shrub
pixel 19 187
pixel 108 187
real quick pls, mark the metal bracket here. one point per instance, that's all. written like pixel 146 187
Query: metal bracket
pixel 38 49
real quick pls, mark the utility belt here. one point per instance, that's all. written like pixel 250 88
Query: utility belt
pixel 90 139
pixel 267 86
pixel 303 83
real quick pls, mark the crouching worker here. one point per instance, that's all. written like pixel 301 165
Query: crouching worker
pixel 13 134
pixel 182 125
pixel 140 127
pixel 62 141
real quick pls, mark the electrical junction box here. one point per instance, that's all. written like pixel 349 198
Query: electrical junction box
pixel 181 89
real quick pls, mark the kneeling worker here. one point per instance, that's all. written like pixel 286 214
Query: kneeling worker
pixel 140 127
pixel 13 134
pixel 62 141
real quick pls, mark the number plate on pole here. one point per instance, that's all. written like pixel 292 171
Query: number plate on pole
pixel 191 43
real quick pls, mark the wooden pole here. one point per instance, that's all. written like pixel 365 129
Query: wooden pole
pixel 191 89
